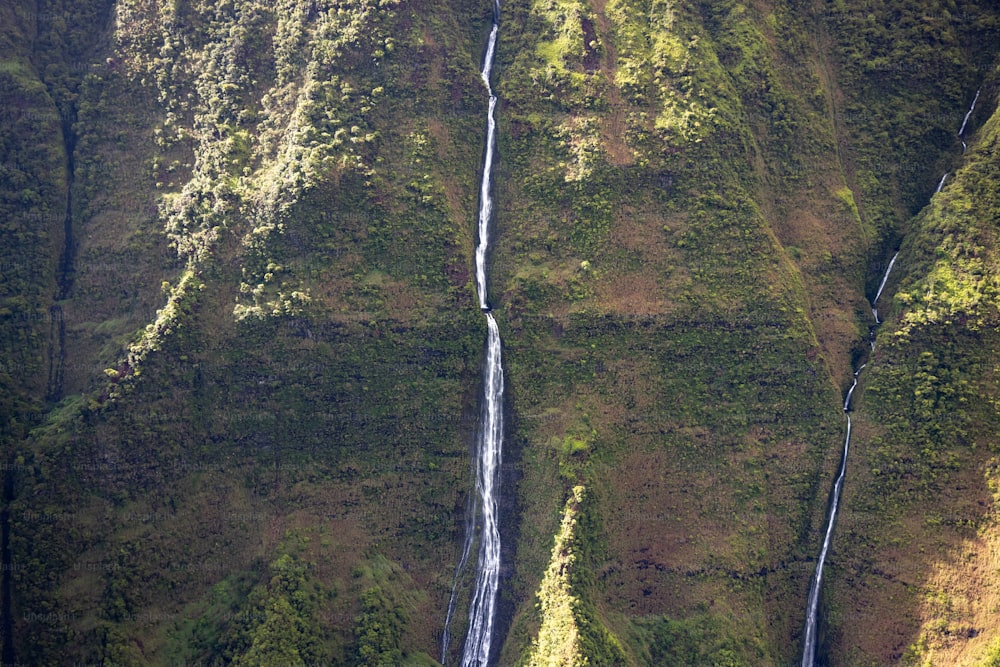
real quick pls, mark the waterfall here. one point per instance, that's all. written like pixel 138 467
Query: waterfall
pixel 489 439
pixel 850 392
pixel 965 121
pixel 941 183
pixel 882 286
pixel 482 609
pixel 485 194
pixel 812 604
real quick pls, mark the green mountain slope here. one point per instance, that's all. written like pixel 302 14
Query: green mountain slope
pixel 242 350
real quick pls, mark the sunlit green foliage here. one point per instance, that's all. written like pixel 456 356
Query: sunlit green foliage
pixel 662 63
pixel 929 388
pixel 888 57
pixel 378 631
pixel 281 625
pixel 956 264
pixel 557 643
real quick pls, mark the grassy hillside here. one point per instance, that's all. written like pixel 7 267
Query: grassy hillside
pixel 242 350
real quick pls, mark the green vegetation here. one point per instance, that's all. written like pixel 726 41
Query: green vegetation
pixel 378 631
pixel 701 640
pixel 955 260
pixel 993 659
pixel 899 148
pixel 240 406
pixel 280 624
pixel 924 478
pixel 928 392
pixel 558 641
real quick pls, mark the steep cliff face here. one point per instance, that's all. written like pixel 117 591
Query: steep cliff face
pixel 272 336
pixel 242 348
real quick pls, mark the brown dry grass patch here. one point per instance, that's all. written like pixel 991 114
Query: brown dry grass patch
pixel 613 124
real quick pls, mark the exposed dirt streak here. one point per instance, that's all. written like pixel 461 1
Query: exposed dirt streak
pixel 66 260
pixel 65 272
pixel 823 45
pixel 613 124
pixel 56 353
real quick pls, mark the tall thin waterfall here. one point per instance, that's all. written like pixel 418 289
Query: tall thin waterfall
pixel 486 183
pixel 965 121
pixel 489 440
pixel 812 605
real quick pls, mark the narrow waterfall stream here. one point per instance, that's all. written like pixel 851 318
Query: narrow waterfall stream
pixel 965 121
pixel 483 521
pixel 812 605
pixel 486 183
pixel 812 602
pixel 877 295
pixel 941 183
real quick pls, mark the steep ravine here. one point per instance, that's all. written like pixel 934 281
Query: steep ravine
pixel 810 644
pixel 65 272
pixel 57 111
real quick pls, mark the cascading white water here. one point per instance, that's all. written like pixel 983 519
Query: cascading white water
pixel 941 183
pixel 482 609
pixel 850 392
pixel 882 287
pixel 489 441
pixel 471 511
pixel 965 121
pixel 485 195
pixel 812 603
pixel 812 606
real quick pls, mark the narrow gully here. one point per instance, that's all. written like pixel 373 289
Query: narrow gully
pixel 812 602
pixel 64 278
pixel 815 587
pixel 65 272
pixel 54 385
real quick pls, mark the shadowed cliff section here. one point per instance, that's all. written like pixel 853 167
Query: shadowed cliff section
pixel 36 166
